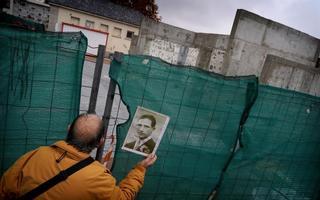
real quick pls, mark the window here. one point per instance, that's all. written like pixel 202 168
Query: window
pixel 75 20
pixel 89 24
pixel 116 32
pixel 130 34
pixel 104 27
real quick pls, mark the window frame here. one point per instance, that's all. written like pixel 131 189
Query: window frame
pixel 73 19
pixel 89 22
pixel 105 26
pixel 113 32
pixel 132 34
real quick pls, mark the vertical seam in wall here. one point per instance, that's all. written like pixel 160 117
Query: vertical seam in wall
pixel 226 59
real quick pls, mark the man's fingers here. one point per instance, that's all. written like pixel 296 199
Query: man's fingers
pixel 151 158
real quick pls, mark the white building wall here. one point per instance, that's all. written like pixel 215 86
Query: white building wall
pixel 114 43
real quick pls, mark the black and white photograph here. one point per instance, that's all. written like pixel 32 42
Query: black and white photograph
pixel 145 132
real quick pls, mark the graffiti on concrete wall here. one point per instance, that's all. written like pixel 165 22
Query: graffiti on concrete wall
pixel 192 56
pixel 216 60
pixel 171 52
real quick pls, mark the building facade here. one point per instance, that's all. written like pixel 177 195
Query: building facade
pixel 119 22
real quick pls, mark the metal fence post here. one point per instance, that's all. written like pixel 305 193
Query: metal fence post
pixel 107 111
pixel 106 116
pixel 96 79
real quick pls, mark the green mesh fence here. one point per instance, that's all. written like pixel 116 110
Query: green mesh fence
pixel 278 150
pixel 205 111
pixel 40 84
pixel 280 158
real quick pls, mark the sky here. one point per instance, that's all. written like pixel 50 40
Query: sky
pixel 217 16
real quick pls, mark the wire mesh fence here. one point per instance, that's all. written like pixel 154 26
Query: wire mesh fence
pixel 119 113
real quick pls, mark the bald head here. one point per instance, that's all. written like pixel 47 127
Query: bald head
pixel 85 132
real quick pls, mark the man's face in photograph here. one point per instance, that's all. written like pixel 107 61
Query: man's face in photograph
pixel 144 128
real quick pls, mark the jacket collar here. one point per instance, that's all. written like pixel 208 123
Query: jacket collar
pixel 70 150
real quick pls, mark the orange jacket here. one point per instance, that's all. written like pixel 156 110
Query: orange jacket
pixel 92 182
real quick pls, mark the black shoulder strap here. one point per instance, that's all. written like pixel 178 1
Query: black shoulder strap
pixel 63 175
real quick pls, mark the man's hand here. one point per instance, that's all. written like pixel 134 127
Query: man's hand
pixel 148 161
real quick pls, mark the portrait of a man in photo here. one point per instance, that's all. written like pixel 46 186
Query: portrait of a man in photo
pixel 144 127
pixel 145 132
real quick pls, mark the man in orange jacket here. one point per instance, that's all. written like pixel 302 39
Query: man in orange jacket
pixel 91 182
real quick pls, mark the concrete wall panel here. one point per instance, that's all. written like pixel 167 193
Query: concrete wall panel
pixel 252 60
pixel 245 58
pixel 306 81
pixel 287 74
pixel 280 76
pixel 279 55
pixel 176 45
pixel 315 85
pixel 250 30
pixel 216 60
pixel 237 49
pixel 296 79
pixel 292 54
pixel 288 40
pixel 192 56
pixel 171 52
